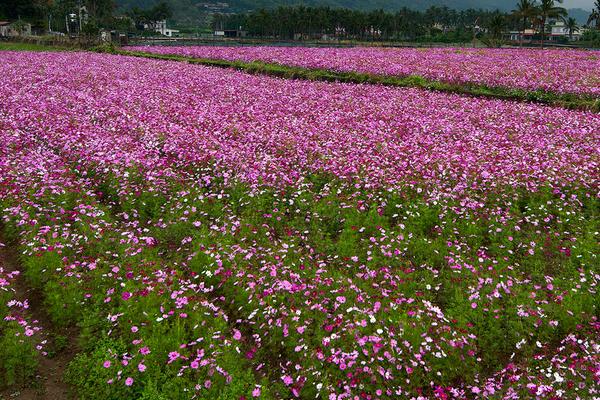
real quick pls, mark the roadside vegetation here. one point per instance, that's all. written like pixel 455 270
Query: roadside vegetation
pixel 24 46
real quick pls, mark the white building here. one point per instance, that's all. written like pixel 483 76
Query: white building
pixel 559 30
pixel 555 31
pixel 161 27
pixel 14 29
pixel 526 36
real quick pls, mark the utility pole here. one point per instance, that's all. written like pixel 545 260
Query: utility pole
pixel 79 12
pixel 475 31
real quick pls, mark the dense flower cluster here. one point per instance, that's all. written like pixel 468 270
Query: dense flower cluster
pixel 249 237
pixel 562 71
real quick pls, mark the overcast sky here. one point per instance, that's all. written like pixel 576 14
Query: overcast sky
pixel 586 4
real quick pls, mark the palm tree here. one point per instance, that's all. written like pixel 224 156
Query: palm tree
pixel 497 25
pixel 571 26
pixel 595 16
pixel 548 9
pixel 525 10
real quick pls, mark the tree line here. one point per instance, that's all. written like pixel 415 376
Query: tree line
pixel 305 22
pixel 52 15
pixel 434 24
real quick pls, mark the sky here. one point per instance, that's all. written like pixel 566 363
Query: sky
pixel 585 4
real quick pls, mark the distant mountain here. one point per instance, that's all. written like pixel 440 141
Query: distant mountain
pixel 388 5
pixel 580 15
pixel 187 11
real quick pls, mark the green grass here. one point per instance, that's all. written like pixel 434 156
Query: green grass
pixel 21 46
pixel 29 47
pixel 566 100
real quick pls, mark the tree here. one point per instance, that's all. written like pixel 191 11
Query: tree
pixel 33 11
pixel 495 27
pixel 571 26
pixel 436 23
pixel 100 10
pixel 160 12
pixel 16 9
pixel 19 26
pixel 138 16
pixel 548 9
pixel 150 16
pixel 595 16
pixel 525 11
pixel 90 30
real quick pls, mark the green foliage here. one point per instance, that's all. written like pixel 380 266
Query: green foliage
pixel 92 327
pixel 151 15
pixel 592 37
pixel 90 29
pixel 62 301
pixel 18 357
pixel 89 378
pixel 38 267
pixel 15 9
pixel 14 46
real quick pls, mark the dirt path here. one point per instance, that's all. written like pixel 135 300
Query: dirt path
pixel 48 382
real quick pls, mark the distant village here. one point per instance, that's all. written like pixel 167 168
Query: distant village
pixel 557 32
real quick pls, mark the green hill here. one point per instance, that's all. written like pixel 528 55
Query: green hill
pixel 389 5
pixel 194 11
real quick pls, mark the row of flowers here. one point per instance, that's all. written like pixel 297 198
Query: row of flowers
pixel 561 71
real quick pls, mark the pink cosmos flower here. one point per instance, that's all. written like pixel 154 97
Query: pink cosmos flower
pixel 288 380
pixel 173 356
pixel 237 335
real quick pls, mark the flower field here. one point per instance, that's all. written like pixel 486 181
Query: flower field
pixel 219 235
pixel 560 71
